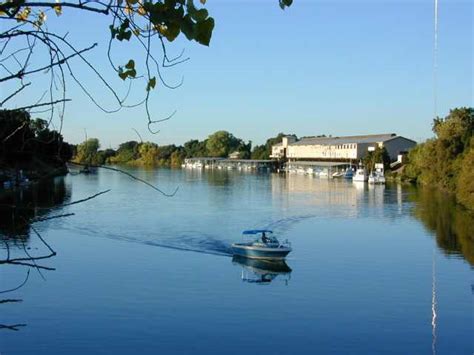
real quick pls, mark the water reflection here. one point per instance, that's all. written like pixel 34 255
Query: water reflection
pixel 262 272
pixel 451 224
pixel 19 207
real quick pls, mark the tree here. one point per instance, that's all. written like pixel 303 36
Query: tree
pixel 446 160
pixel 222 143
pixel 195 148
pixel 28 144
pixel 126 152
pixel 379 155
pixel 87 151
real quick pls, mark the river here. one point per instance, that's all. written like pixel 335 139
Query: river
pixel 384 269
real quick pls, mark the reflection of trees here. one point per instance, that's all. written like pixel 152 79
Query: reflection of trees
pixel 19 210
pixel 451 224
pixel 218 178
pixel 19 207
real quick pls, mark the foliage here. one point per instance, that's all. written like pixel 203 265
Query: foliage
pixel 446 160
pixel 27 143
pixel 195 148
pixel 126 152
pixel 87 152
pixel 379 155
pixel 465 185
pixel 222 143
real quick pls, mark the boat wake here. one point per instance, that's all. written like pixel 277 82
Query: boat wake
pixel 193 241
pixel 283 225
pixel 187 241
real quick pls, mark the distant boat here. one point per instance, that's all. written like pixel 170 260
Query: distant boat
pixel 323 174
pixel 265 246
pixel 360 175
pixel 377 176
pixel 337 174
pixel 348 174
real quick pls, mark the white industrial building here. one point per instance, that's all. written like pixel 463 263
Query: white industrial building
pixel 339 148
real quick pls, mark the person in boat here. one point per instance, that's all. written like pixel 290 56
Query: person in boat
pixel 265 239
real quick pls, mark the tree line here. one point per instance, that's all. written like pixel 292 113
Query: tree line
pixel 220 144
pixel 29 145
pixel 447 160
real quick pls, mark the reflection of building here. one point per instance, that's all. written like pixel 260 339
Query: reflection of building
pixel 340 148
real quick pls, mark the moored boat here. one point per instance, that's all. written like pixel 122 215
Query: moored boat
pixel 349 174
pixel 377 176
pixel 264 246
pixel 360 175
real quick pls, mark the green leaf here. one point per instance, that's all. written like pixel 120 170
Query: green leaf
pixel 187 27
pixel 123 75
pixel 124 35
pixel 172 31
pixel 151 84
pixel 204 31
pixel 285 3
pixel 130 64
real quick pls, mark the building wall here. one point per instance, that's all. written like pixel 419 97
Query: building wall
pixel 278 151
pixel 340 151
pixel 354 151
pixel 397 145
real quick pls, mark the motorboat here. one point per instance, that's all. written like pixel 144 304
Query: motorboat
pixel 263 246
pixel 337 174
pixel 360 175
pixel 349 173
pixel 323 174
pixel 377 176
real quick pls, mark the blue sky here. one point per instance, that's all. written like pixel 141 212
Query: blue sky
pixel 320 67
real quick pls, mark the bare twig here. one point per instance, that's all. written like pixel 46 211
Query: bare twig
pixel 130 176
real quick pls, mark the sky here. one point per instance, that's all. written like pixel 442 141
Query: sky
pixel 319 67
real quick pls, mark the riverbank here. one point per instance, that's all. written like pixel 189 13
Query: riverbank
pixel 446 161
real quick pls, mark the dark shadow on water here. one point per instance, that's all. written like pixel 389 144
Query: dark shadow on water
pixel 18 207
pixel 451 224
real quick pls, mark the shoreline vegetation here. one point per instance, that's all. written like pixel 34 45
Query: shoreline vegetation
pixel 445 162
pixel 29 149
pixel 220 144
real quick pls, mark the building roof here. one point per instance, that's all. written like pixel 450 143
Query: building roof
pixel 369 138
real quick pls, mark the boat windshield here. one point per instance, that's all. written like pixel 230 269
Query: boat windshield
pixel 268 239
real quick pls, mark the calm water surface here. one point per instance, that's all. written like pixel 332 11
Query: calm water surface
pixel 374 269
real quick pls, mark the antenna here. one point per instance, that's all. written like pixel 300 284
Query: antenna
pixel 435 61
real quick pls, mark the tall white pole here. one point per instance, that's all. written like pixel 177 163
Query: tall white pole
pixel 435 60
